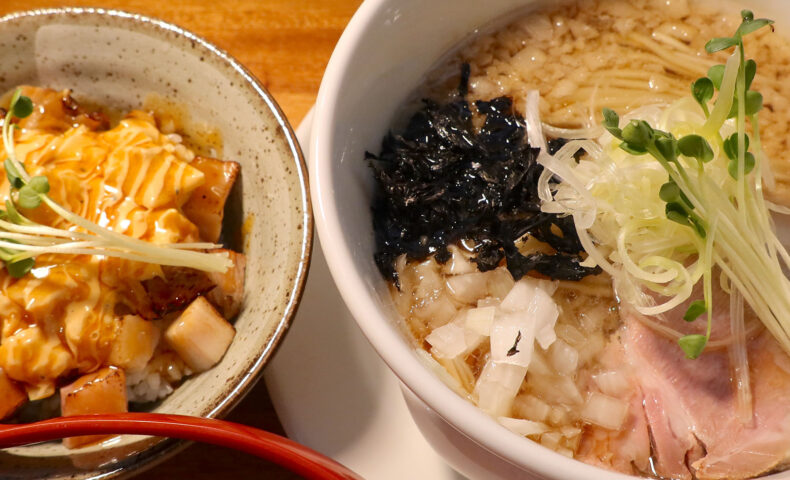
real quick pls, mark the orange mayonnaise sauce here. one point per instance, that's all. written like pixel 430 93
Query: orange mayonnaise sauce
pixel 62 317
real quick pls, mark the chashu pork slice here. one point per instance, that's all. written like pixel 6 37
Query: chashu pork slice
pixel 626 450
pixel 690 405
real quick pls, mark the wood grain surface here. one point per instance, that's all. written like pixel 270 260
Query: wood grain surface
pixel 286 44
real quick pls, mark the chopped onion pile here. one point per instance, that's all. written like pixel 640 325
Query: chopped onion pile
pixel 526 315
pixel 523 351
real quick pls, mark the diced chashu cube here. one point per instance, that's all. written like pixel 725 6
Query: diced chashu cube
pixel 177 289
pixel 12 396
pixel 103 391
pixel 134 344
pixel 200 336
pixel 229 291
pixel 206 207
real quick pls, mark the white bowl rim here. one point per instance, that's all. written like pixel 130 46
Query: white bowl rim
pixel 375 325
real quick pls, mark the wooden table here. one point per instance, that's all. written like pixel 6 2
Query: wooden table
pixel 286 44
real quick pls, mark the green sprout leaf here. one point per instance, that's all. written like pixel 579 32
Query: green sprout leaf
pixel 749 26
pixel 697 147
pixel 696 308
pixel 13 213
pixel 719 44
pixel 677 213
pixel 633 150
pixel 29 197
pixel 731 145
pixel 638 134
pixel 702 90
pixel 692 345
pixel 716 75
pixel 13 174
pixel 748 166
pixel 698 225
pixel 667 147
pixel 23 107
pixel 40 184
pixel 754 102
pixel 19 268
pixel 670 192
pixel 751 70
pixel 611 122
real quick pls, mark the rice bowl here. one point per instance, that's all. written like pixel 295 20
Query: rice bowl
pixel 258 136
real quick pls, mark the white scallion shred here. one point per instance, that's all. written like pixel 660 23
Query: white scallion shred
pixel 613 197
pixel 739 360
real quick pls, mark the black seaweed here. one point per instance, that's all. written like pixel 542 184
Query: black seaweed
pixel 442 180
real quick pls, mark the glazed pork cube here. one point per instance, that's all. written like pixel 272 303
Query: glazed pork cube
pixel 134 343
pixel 177 289
pixel 200 336
pixel 103 391
pixel 206 207
pixel 229 291
pixel 12 396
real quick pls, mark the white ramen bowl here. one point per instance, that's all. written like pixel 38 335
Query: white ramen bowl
pixel 383 55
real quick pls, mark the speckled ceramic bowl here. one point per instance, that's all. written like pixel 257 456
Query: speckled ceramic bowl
pixel 118 59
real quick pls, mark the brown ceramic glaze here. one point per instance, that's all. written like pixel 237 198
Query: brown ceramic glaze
pixel 118 60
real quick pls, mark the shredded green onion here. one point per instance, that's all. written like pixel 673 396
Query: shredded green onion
pixel 675 193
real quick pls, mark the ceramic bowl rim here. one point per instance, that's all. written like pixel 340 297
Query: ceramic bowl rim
pixel 166 448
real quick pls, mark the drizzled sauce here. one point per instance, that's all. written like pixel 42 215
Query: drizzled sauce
pixel 131 178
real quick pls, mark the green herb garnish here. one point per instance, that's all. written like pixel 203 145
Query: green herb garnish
pixel 690 199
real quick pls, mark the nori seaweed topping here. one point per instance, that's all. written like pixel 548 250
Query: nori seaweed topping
pixel 442 180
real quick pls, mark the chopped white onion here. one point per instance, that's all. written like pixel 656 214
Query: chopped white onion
pixel 532 298
pixel 519 297
pixel 545 312
pixel 429 362
pixel 513 338
pixel 523 427
pixel 612 383
pixel 479 320
pixel 435 311
pixel 539 364
pixel 459 262
pixel 430 280
pixel 531 408
pixel 467 288
pixel 453 339
pixel 497 386
pixel 551 440
pixel 565 451
pixel 558 415
pixel 570 334
pixel 605 411
pixel 488 302
pixel 564 358
pixel 592 319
